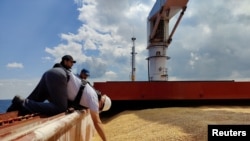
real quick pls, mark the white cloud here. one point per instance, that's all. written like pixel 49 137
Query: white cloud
pixel 103 42
pixel 211 41
pixel 11 87
pixel 15 65
pixel 47 58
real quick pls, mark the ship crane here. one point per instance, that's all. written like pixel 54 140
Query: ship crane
pixel 159 37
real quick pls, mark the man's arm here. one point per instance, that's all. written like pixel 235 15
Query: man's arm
pixel 98 125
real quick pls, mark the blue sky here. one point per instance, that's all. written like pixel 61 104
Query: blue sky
pixel 211 42
pixel 27 27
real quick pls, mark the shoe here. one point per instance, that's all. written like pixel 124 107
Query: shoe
pixel 17 100
pixel 16 105
pixel 12 107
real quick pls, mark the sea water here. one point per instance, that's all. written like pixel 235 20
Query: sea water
pixel 4 104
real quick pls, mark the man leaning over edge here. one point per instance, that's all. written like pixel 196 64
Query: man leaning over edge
pixel 90 99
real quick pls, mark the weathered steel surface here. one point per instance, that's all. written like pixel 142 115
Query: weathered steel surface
pixel 12 118
pixel 76 126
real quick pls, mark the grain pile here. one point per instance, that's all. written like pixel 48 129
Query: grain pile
pixel 171 124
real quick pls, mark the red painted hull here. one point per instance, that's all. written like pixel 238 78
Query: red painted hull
pixel 174 90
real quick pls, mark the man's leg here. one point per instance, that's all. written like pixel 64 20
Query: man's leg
pixel 46 108
pixel 40 93
pixel 54 82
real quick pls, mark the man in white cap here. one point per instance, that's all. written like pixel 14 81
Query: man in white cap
pixel 85 95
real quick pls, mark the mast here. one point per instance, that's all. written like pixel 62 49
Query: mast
pixel 133 59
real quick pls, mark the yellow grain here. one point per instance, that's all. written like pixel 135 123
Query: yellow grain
pixel 172 123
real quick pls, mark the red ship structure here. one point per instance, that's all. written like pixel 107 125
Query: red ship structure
pixel 158 88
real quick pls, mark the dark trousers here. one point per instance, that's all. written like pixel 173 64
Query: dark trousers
pixel 53 88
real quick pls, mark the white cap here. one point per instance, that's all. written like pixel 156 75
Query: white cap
pixel 107 103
